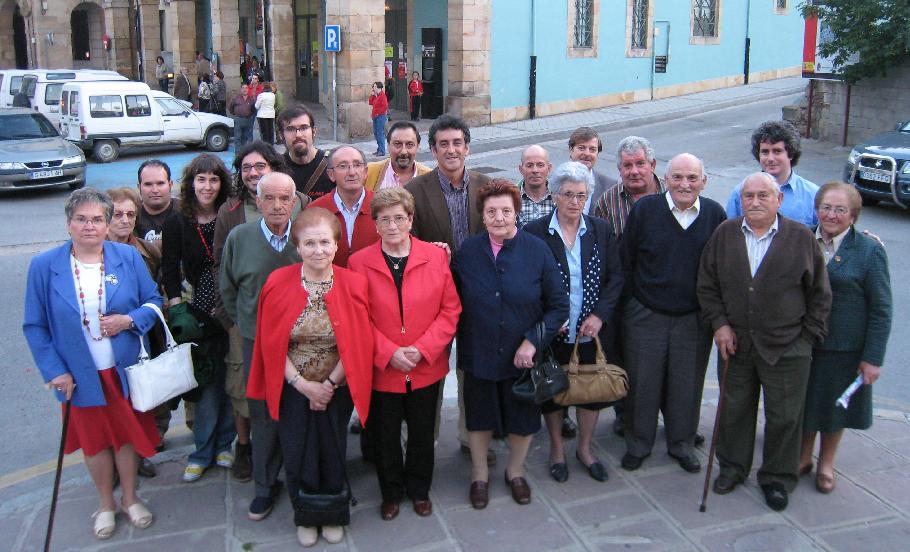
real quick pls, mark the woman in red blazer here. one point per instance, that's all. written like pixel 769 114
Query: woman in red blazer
pixel 312 364
pixel 414 310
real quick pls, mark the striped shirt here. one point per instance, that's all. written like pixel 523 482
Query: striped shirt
pixel 457 203
pixel 533 210
pixel 615 204
pixel 757 246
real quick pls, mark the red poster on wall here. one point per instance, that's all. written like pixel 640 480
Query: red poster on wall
pixel 402 70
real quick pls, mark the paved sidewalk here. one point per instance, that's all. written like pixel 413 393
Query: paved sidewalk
pixel 653 509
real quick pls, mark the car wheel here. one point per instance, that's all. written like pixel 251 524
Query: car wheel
pixel 869 201
pixel 105 151
pixel 77 185
pixel 216 140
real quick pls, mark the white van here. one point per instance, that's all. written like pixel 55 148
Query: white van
pixel 43 87
pixel 10 80
pixel 105 116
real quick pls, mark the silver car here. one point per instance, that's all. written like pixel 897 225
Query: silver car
pixel 34 155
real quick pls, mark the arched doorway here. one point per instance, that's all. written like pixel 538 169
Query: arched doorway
pixel 87 27
pixel 12 31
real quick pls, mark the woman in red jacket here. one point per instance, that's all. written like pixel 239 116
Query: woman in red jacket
pixel 312 364
pixel 414 310
pixel 380 116
pixel 415 94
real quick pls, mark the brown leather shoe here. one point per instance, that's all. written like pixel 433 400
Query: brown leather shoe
pixel 423 508
pixel 521 493
pixel 389 510
pixel 479 494
pixel 824 483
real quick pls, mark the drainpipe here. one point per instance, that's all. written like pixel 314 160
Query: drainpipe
pixel 748 44
pixel 532 76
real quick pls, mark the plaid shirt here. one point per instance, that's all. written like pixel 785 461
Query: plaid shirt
pixel 615 204
pixel 533 210
pixel 457 203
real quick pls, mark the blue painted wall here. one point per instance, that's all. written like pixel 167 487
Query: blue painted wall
pixel 777 43
pixel 431 13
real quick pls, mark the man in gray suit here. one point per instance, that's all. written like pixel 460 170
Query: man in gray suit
pixel 584 146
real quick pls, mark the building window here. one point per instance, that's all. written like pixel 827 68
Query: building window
pixel 781 4
pixel 581 32
pixel 704 18
pixel 640 24
pixel 584 23
pixel 781 7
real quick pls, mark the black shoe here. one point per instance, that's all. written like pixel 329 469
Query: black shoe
pixel 619 427
pixel 559 472
pixel 356 427
pixel 569 429
pixel 724 484
pixel 146 468
pixel 632 463
pixel 775 496
pixel 596 470
pixel 689 463
pixel 261 506
pixel 699 439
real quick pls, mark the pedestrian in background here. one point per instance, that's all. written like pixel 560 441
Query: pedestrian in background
pixel 183 90
pixel 219 93
pixel 265 113
pixel 203 67
pixel 243 110
pixel 161 73
pixel 380 117
pixel 279 105
pixel 415 95
pixel 255 87
pixel 204 94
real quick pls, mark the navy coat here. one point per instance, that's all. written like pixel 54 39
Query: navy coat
pixel 502 301
pixel 53 319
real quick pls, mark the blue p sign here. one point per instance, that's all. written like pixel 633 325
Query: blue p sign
pixel 332 38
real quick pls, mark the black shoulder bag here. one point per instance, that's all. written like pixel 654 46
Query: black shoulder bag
pixel 318 509
pixel 545 379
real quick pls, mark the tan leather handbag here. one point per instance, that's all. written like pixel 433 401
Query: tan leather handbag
pixel 593 383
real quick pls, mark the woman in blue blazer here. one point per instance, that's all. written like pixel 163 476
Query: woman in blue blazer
pixel 84 317
pixel 858 329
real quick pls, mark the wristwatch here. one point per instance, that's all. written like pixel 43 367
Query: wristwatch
pixel 293 379
pixel 334 385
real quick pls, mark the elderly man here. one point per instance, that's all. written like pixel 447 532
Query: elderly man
pixel 636 163
pixel 666 345
pixel 252 251
pixel 306 163
pixel 243 110
pixel 536 200
pixel 763 287
pixel 155 186
pixel 350 202
pixel 776 147
pixel 584 146
pixel 403 141
pixel 445 202
pixel 183 90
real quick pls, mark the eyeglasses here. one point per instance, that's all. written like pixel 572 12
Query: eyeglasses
pixel 398 220
pixel 839 211
pixel 295 130
pixel 569 196
pixel 85 221
pixel 260 166
pixel 345 167
pixel 129 215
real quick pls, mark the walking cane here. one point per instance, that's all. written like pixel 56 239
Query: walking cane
pixel 50 518
pixel 720 407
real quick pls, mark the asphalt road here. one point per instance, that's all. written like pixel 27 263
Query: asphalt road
pixel 31 220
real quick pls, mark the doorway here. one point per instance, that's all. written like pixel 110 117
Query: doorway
pixel 396 54
pixel 307 49
pixel 20 42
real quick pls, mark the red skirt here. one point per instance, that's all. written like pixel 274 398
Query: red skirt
pixel 96 428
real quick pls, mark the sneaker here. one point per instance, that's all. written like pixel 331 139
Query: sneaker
pixel 193 472
pixel 243 463
pixel 260 508
pixel 225 460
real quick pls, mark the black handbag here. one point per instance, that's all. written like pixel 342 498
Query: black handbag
pixel 545 379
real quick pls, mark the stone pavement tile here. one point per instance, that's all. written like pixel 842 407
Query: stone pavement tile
pixel 884 430
pixel 185 507
pixel 72 526
pixel 607 510
pixel 679 494
pixel 286 544
pixel 370 532
pixel 278 524
pixel 451 480
pixel 171 472
pixel 651 536
pixel 202 540
pixel 891 485
pixel 900 446
pixel 847 503
pixel 884 537
pixel 579 486
pixel 504 525
pixel 761 536
pixel 857 454
pixel 13 525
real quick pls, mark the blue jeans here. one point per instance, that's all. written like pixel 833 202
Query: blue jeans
pixel 379 132
pixel 243 131
pixel 213 427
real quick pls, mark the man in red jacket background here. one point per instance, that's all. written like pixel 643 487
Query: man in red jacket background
pixel 380 116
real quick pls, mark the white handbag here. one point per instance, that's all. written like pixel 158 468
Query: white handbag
pixel 153 381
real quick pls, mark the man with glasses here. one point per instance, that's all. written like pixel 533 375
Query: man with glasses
pixel 350 202
pixel 305 162
pixel 584 146
pixel 251 252
pixel 666 344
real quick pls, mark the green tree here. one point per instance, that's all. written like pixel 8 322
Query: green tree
pixel 877 30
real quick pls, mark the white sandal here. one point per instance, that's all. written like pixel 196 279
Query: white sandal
pixel 105 523
pixel 139 515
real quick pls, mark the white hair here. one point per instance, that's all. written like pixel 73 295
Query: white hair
pixel 262 178
pixel 570 171
pixel 774 185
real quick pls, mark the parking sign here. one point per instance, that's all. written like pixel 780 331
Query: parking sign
pixel 332 38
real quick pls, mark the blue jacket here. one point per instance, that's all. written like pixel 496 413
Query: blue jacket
pixel 502 301
pixel 53 319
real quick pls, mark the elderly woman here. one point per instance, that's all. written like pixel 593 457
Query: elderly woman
pixel 187 246
pixel 858 329
pixel 412 279
pixel 312 364
pixel 588 259
pixel 508 282
pixel 84 317
pixel 161 73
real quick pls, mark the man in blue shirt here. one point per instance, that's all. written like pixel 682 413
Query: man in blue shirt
pixel 776 147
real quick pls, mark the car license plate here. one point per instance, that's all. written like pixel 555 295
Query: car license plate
pixel 46 174
pixel 876 177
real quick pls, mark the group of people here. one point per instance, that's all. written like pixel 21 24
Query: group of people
pixel 256 101
pixel 327 285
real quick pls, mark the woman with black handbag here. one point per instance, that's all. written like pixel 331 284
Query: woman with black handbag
pixel 312 364
pixel 508 281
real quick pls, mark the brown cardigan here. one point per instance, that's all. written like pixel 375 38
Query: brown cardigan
pixel 789 296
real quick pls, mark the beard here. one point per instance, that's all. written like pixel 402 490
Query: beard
pixel 301 149
pixel 403 162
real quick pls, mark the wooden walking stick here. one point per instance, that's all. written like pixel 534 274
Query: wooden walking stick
pixel 720 407
pixel 50 518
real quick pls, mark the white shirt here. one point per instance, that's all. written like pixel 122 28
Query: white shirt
pixel 757 246
pixel 349 215
pixel 687 217
pixel 90 277
pixel 278 243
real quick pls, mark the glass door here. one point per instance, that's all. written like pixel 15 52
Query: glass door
pixel 307 50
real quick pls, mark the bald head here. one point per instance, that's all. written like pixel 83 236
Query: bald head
pixel 275 182
pixel 685 159
pixel 535 167
pixel 761 198
pixel 346 152
pixel 685 180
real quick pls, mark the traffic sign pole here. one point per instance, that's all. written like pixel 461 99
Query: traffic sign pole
pixel 332 42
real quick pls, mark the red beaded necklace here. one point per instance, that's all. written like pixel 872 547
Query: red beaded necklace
pixel 82 294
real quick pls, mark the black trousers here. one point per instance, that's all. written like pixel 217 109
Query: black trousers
pixel 415 108
pixel 411 475
pixel 310 443
pixel 266 130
